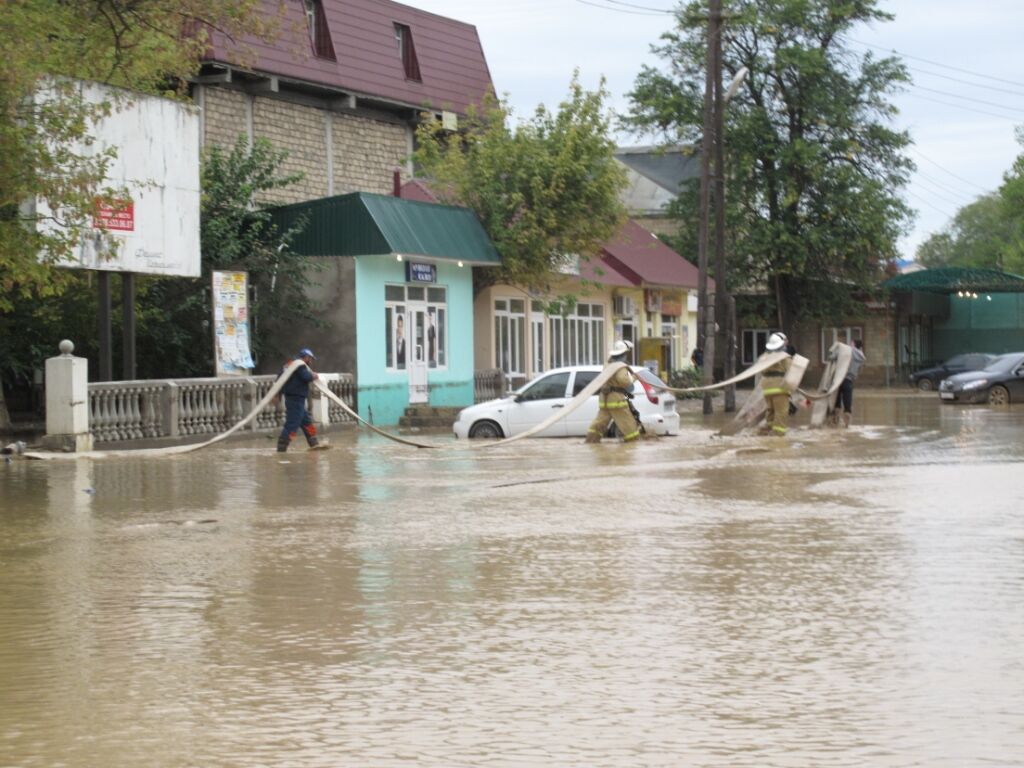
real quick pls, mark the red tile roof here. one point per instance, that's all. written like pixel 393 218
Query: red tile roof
pixel 645 259
pixel 451 59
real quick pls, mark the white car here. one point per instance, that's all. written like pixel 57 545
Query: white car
pixel 535 401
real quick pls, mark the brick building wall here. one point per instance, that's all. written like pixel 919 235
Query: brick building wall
pixel 336 152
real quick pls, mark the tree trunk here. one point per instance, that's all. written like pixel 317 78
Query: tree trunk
pixel 5 417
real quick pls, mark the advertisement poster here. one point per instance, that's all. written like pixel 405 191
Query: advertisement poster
pixel 231 324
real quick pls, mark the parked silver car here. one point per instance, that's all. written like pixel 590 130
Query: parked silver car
pixel 536 400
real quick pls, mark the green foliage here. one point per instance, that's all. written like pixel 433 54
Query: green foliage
pixel 236 233
pixel 988 232
pixel 545 191
pixel 684 378
pixel 149 46
pixel 812 167
pixel 980 235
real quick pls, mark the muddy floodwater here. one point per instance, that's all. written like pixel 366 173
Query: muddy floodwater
pixel 837 598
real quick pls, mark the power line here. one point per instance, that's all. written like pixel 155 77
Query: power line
pixel 643 7
pixel 967 98
pixel 946 170
pixel 622 10
pixel 965 108
pixel 933 207
pixel 939 64
pixel 939 194
pixel 945 187
pixel 967 82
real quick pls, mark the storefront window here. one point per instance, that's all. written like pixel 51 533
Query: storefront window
pixel 509 330
pixel 414 314
pixel 578 338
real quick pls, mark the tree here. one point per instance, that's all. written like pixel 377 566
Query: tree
pixel 236 233
pixel 545 190
pixel 1011 195
pixel 980 235
pixel 149 46
pixel 814 169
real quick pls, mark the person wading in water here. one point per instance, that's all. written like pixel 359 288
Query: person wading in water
pixel 613 400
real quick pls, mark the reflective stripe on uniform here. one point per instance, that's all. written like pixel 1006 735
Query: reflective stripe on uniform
pixel 775 391
pixel 631 436
pixel 779 428
pixel 621 404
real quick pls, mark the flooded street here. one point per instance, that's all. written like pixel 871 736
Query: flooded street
pixel 838 598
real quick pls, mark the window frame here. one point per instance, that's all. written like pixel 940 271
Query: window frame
pixel 407 52
pixel 853 332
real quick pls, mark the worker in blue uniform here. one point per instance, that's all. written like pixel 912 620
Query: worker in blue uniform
pixel 296 393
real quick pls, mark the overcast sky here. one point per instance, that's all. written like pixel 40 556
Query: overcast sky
pixel 961 111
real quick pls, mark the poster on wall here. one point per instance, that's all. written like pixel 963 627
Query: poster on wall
pixel 231 324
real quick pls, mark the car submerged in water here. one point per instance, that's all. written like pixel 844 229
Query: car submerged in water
pixel 999 383
pixel 538 399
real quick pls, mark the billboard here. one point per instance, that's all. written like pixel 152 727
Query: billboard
pixel 154 229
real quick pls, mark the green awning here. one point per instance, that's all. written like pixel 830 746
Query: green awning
pixel 364 224
pixel 953 279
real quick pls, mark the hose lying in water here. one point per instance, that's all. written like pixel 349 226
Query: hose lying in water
pixel 587 392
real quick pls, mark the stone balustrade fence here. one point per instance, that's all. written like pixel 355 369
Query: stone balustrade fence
pixel 489 384
pixel 173 408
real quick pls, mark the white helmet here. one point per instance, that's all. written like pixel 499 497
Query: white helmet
pixel 619 348
pixel 776 342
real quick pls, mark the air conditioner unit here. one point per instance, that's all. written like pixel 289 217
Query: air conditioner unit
pixel 623 306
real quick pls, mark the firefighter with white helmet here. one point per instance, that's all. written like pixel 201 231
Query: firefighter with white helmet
pixel 613 399
pixel 776 395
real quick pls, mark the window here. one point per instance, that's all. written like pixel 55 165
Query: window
pixel 578 338
pixel 396 336
pixel 626 330
pixel 583 378
pixel 754 340
pixel 319 34
pixel 406 49
pixel 546 388
pixel 509 330
pixel 830 336
pixel 537 336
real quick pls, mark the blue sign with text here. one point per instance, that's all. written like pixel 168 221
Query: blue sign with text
pixel 420 273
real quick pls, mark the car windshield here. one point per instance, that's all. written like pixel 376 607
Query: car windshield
pixel 955 362
pixel 1005 363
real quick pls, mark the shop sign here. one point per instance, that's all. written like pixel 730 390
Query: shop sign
pixel 416 272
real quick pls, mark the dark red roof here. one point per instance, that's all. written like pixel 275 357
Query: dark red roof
pixel 598 270
pixel 451 60
pixel 642 257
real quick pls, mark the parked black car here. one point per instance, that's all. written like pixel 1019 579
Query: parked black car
pixel 928 379
pixel 1001 383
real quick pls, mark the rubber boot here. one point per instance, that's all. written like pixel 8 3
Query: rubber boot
pixel 282 443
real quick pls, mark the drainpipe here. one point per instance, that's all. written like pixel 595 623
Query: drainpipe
pixel 396 182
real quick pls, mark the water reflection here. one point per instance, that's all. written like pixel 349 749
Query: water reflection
pixel 842 597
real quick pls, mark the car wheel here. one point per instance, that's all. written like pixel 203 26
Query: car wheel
pixel 998 396
pixel 485 429
pixel 925 385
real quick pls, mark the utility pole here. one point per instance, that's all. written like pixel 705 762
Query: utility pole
pixel 706 309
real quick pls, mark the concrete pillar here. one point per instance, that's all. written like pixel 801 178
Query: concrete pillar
pixel 67 402
pixel 320 405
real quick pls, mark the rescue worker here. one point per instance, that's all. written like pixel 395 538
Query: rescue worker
pixel 613 400
pixel 776 396
pixel 296 392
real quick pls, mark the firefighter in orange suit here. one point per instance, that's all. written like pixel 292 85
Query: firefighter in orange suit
pixel 776 395
pixel 613 400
